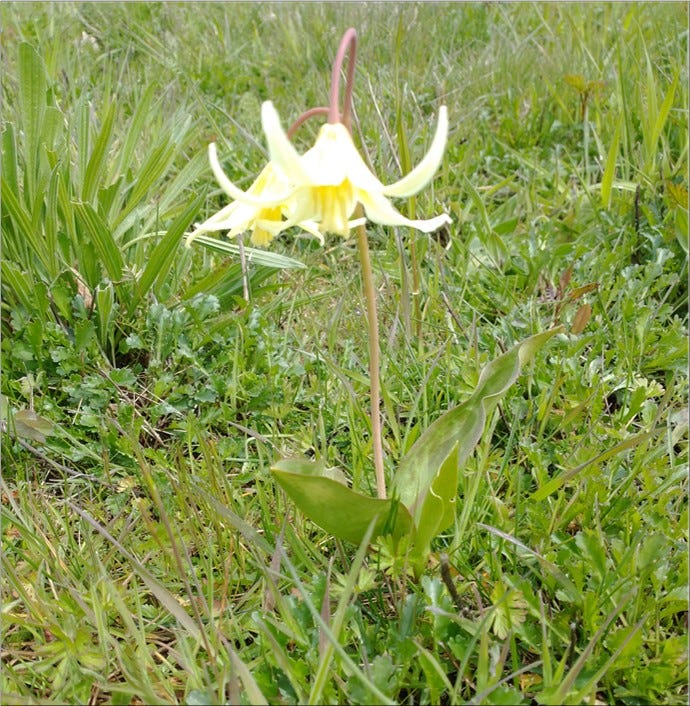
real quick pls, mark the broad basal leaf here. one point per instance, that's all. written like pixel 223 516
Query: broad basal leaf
pixel 324 498
pixel 438 510
pixel 461 426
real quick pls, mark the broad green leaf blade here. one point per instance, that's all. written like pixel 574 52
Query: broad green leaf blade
pixel 105 309
pixel 335 508
pixel 22 286
pixel 24 233
pixel 664 111
pixel 462 425
pixel 135 129
pixel 30 425
pixel 437 512
pixel 9 158
pixel 32 100
pixel 94 175
pixel 226 283
pixel 154 167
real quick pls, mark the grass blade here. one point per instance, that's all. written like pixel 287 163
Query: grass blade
pixel 254 255
pixel 161 259
pixel 156 587
pixel 101 236
pixel 610 169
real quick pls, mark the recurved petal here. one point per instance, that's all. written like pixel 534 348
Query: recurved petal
pixel 237 220
pixel 312 228
pixel 422 174
pixel 269 199
pixel 280 149
pixel 379 210
pixel 224 214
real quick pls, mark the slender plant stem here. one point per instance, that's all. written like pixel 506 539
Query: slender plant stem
pixel 243 266
pixel 349 41
pixel 374 382
pixel 349 44
pixel 321 110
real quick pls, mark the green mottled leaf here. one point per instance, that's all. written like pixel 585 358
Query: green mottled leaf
pixel 461 426
pixel 323 497
pixel 438 510
pixel 199 697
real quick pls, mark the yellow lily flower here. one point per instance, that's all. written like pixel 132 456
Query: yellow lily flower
pixel 259 209
pixel 331 178
pixel 320 190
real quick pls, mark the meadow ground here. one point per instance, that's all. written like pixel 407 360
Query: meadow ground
pixel 148 556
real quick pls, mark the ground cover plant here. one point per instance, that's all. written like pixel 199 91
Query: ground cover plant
pixel 148 553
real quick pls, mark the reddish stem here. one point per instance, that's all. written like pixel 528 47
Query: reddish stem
pixel 321 110
pixel 349 41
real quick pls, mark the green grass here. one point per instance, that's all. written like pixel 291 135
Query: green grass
pixel 147 554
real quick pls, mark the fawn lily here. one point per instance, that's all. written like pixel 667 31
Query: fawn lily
pixel 331 178
pixel 259 209
pixel 320 190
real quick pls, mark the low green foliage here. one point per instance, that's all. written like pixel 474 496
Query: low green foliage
pixel 424 487
pixel 148 554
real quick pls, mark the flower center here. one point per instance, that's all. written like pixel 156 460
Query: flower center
pixel 334 206
pixel 260 235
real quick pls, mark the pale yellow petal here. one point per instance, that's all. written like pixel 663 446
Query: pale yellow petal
pixel 379 210
pixel 312 228
pixel 334 158
pixel 270 198
pixel 280 149
pixel 422 174
pixel 239 220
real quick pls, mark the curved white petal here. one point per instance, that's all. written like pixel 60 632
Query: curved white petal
pixel 422 174
pixel 380 210
pixel 222 215
pixel 238 222
pixel 280 149
pixel 208 226
pixel 358 172
pixel 357 222
pixel 235 192
pixel 312 228
pixel 325 163
pixel 334 158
